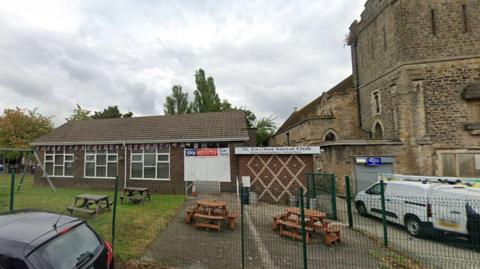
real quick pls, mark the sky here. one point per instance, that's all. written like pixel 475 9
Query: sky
pixel 267 56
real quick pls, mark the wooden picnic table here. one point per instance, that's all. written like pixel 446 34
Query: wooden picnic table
pixel 135 194
pixel 314 221
pixel 83 203
pixel 212 212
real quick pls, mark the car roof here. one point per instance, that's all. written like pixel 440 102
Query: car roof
pixel 19 230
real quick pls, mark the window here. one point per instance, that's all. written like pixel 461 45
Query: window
pixel 434 23
pixel 59 163
pixel 330 136
pixel 376 104
pixel 465 18
pixel 377 131
pixel 101 164
pixel 376 189
pixel 460 164
pixel 150 164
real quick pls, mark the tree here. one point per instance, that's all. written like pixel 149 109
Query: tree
pixel 19 127
pixel 265 129
pixel 205 96
pixel 111 112
pixel 79 113
pixel 177 103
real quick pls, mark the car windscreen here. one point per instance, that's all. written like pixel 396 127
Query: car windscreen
pixel 72 249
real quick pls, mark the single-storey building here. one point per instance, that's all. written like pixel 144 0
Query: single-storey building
pixel 145 151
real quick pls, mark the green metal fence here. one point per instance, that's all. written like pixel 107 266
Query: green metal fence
pixel 321 193
pixel 155 232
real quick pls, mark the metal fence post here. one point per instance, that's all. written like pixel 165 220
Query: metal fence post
pixel 334 196
pixel 384 217
pixel 12 190
pixel 114 213
pixel 304 238
pixel 308 191
pixel 349 201
pixel 242 228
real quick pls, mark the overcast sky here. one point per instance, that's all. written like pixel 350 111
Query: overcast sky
pixel 269 56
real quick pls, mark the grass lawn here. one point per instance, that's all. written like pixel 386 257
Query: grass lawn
pixel 137 225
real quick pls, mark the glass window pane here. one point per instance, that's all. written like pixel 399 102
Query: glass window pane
pixel 466 165
pixel 69 169
pixel 448 165
pixel 163 150
pixel 137 170
pixel 163 158
pixel 101 159
pixel 150 160
pixel 163 170
pixel 149 172
pixel 137 157
pixel 58 171
pixel 90 169
pixel 59 159
pixel 49 168
pixel 101 171
pixel 112 170
pixel 90 158
pixel 49 157
pixel 112 158
pixel 69 158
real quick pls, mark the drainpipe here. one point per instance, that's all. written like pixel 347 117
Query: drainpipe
pixel 125 166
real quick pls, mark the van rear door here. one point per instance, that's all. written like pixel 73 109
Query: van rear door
pixel 448 209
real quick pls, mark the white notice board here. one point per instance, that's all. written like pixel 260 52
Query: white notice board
pixel 207 164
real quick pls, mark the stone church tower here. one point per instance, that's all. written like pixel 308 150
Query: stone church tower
pixel 416 68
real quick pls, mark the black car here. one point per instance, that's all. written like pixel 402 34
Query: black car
pixel 48 240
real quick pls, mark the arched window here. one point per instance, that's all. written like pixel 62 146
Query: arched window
pixel 377 131
pixel 330 136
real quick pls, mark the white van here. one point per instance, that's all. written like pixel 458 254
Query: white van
pixel 426 204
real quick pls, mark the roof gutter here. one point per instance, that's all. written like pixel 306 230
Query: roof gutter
pixel 139 141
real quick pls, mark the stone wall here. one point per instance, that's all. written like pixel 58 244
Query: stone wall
pixel 337 112
pixel 391 33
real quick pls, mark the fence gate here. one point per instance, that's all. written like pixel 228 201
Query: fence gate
pixel 321 193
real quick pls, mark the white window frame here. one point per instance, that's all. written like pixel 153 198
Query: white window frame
pixel 52 161
pixel 156 164
pixel 94 154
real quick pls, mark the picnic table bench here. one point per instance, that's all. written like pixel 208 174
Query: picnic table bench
pixel 209 214
pixel 290 225
pixel 135 194
pixel 83 203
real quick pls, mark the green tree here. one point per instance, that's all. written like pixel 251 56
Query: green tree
pixel 177 103
pixel 79 113
pixel 265 129
pixel 19 127
pixel 111 112
pixel 205 96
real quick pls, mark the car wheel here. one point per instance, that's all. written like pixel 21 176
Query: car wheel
pixel 414 226
pixel 362 210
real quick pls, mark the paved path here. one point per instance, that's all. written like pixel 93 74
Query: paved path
pixel 440 254
pixel 182 246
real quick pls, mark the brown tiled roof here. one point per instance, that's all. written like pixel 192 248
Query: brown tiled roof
pixel 304 113
pixel 198 127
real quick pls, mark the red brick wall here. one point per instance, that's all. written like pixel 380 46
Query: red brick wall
pixel 176 184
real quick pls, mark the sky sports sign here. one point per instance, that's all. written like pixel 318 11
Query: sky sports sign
pixel 206 152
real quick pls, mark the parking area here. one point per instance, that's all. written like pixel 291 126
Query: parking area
pixel 440 250
pixel 183 246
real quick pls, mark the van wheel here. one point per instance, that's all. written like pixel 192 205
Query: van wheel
pixel 414 226
pixel 362 210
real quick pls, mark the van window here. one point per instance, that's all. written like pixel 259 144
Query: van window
pixel 375 189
